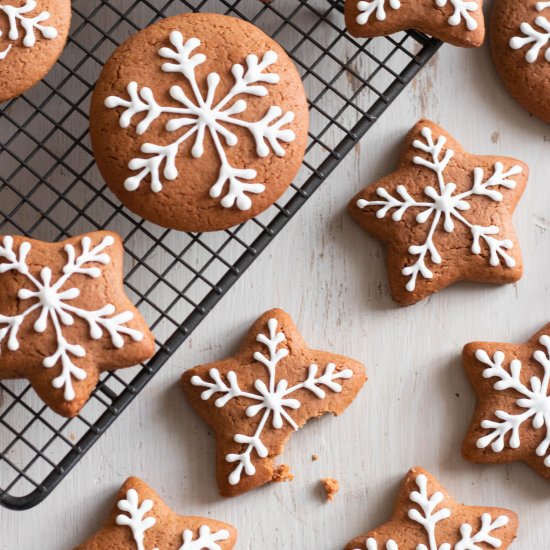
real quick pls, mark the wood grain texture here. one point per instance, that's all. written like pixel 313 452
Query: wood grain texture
pixel 330 276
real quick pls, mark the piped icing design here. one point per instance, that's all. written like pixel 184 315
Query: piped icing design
pixel 138 518
pixel 462 11
pixel 441 208
pixel 201 114
pixel 272 400
pixel 532 401
pixel 51 295
pixel 20 23
pixel 536 35
pixel 427 518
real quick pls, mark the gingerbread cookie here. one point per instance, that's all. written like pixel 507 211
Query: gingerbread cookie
pixel 445 215
pixel 256 399
pixel 520 42
pixel 512 417
pixel 458 22
pixel 141 521
pixel 426 517
pixel 33 34
pixel 64 317
pixel 199 122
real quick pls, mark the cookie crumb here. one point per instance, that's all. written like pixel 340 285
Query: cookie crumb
pixel 314 457
pixel 282 473
pixel 331 486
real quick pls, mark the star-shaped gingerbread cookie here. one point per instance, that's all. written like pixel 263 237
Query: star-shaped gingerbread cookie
pixel 256 399
pixel 141 521
pixel 458 22
pixel 64 316
pixel 445 215
pixel 426 517
pixel 512 417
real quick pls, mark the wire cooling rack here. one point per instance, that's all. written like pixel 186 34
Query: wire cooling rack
pixel 50 189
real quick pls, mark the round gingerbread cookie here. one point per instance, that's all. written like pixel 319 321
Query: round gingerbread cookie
pixel 199 122
pixel 33 34
pixel 520 41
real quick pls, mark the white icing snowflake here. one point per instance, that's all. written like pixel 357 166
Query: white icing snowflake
pixel 533 398
pixel 462 10
pixel 200 114
pixel 271 399
pixel 16 15
pixel 428 518
pixel 539 39
pixel 378 7
pixel 135 517
pixel 53 303
pixel 447 207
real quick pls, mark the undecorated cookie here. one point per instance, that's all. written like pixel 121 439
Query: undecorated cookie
pixel 445 215
pixel 520 41
pixel 427 517
pixel 458 22
pixel 141 521
pixel 256 399
pixel 64 316
pixel 33 34
pixel 199 122
pixel 512 417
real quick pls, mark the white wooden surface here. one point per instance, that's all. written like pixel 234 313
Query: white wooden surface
pixel 330 276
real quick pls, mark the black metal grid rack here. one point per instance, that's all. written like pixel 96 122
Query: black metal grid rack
pixel 50 189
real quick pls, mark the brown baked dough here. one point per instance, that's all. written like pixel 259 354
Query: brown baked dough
pixel 524 68
pixel 164 529
pixel 65 318
pixel 445 215
pixel 426 516
pixel 448 20
pixel 251 412
pixel 512 416
pixel 198 184
pixel 23 66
